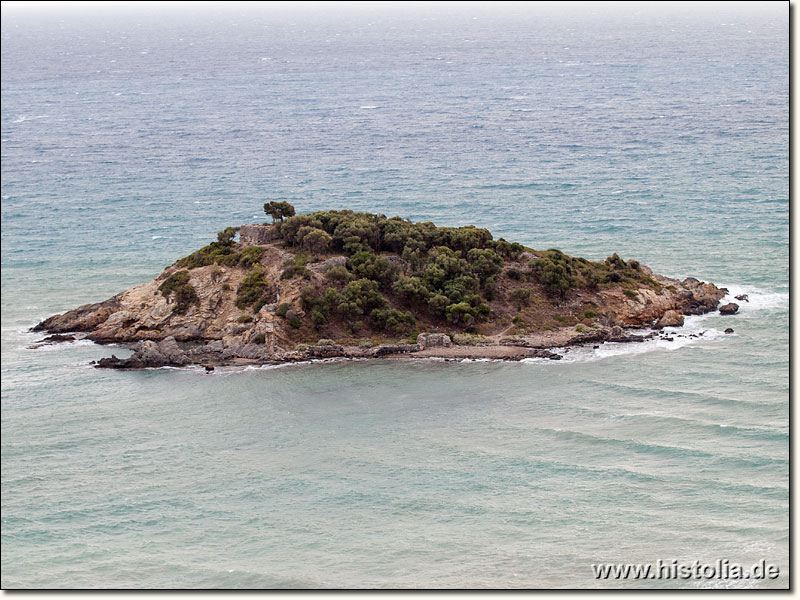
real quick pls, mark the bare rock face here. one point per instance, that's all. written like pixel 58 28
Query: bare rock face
pixel 729 309
pixel 703 297
pixel 671 318
pixel 433 340
pixel 84 318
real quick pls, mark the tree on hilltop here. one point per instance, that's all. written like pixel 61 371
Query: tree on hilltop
pixel 279 210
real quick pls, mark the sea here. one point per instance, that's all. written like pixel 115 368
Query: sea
pixel 659 131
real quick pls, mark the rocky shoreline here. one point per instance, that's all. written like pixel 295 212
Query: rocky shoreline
pixel 168 352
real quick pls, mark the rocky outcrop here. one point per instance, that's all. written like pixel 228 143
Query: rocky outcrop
pixel 671 318
pixel 433 340
pixel 699 298
pixel 149 354
pixel 729 309
pixel 542 353
pixel 84 318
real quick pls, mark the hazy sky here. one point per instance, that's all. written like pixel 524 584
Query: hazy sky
pixel 17 6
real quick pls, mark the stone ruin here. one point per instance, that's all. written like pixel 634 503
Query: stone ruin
pixel 257 235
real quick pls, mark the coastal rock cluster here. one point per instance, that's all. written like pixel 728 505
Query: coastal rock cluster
pixel 264 300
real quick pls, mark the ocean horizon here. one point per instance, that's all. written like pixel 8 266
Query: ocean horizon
pixel 131 136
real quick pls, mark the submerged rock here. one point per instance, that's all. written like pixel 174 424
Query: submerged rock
pixel 542 353
pixel 52 339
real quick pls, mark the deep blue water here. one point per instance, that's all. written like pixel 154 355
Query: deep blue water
pixel 129 140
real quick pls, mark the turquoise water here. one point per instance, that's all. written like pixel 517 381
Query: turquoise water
pixel 128 142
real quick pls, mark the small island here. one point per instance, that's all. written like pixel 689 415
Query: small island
pixel 343 284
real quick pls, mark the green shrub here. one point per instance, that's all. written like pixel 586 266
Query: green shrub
pixel 295 267
pixel 250 257
pixel 411 289
pixel 591 277
pixel 460 312
pixel 258 339
pixel 254 290
pixel 225 237
pixel 391 320
pixel 339 274
pixel 553 272
pixel 630 293
pixel 279 210
pixel 521 296
pixel 490 288
pixel 319 306
pixel 615 262
pixel 484 263
pixel 314 240
pixel 177 285
pixel 509 250
pixel 295 323
pixel 220 252
pixel 458 287
pixel 245 319
pixel 438 304
pixel 589 314
pixel 367 265
pixel 282 309
pixel 318 318
pixel 360 297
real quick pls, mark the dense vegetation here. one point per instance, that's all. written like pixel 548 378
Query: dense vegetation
pixel 183 293
pixel 396 269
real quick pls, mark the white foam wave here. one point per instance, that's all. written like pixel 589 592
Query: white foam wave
pixel 673 338
pixel 757 299
pixel 368 107
pixel 62 345
pixel 23 118
pixel 157 237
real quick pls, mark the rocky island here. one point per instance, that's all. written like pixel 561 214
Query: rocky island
pixel 357 285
